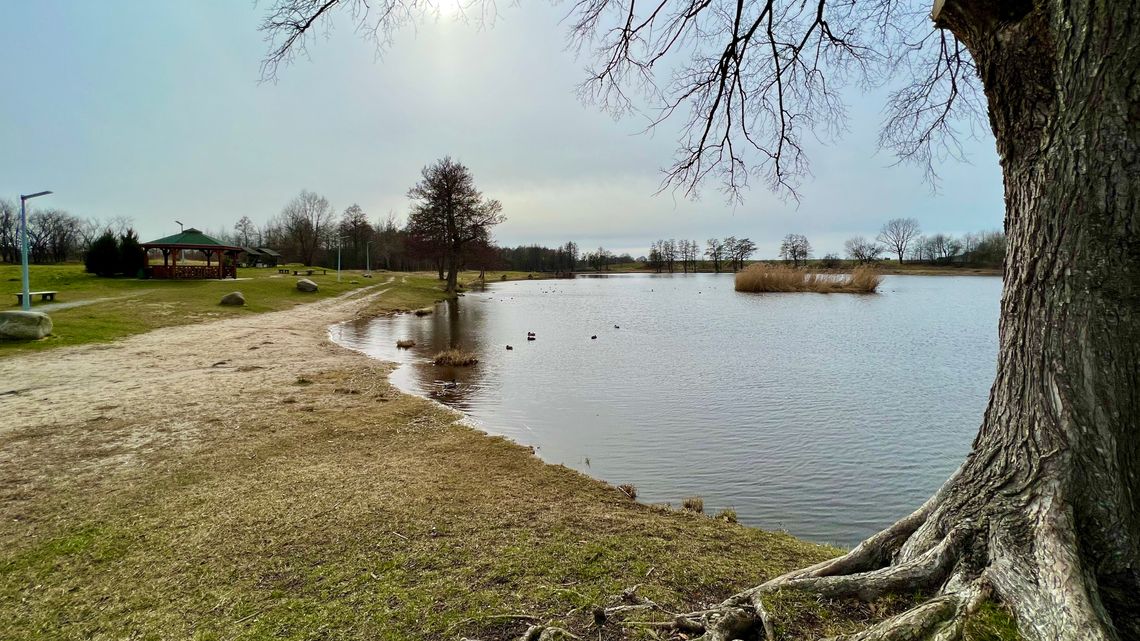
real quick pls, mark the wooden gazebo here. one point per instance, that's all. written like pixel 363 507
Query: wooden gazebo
pixel 221 259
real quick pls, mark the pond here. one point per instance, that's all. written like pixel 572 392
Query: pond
pixel 827 415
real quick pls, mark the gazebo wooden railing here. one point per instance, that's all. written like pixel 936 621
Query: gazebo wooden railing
pixel 189 272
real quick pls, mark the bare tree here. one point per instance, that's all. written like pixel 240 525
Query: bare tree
pixel 714 251
pixel 246 232
pixel 862 250
pixel 448 207
pixel 355 230
pixel 306 221
pixel 1044 514
pixel 898 233
pixel 9 232
pixel 795 247
pixel 742 249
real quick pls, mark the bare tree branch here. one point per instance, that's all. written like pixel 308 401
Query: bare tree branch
pixel 749 82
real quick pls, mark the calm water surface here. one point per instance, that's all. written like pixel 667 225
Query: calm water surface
pixel 829 416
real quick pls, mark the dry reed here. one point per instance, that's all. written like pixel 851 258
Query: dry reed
pixel 405 343
pixel 694 504
pixel 629 490
pixel 763 277
pixel 455 358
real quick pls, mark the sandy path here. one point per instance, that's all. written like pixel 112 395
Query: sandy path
pixel 74 411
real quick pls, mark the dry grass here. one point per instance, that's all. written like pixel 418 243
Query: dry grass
pixel 423 311
pixel 405 343
pixel 694 504
pixel 763 277
pixel 727 515
pixel 455 358
pixel 629 490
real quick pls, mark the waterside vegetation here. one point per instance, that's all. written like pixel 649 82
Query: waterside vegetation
pixel 764 277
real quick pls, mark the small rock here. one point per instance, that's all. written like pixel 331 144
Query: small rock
pixel 306 285
pixel 233 298
pixel 594 337
pixel 24 326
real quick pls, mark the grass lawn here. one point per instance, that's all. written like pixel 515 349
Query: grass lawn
pixel 117 307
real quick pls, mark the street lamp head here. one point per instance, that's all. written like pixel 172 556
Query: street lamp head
pixel 35 195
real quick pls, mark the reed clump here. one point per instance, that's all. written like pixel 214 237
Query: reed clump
pixel 694 504
pixel 727 515
pixel 763 277
pixel 455 358
pixel 405 343
pixel 629 490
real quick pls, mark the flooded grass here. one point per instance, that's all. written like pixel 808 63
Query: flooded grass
pixel 455 358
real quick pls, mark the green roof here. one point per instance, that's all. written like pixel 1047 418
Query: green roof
pixel 190 238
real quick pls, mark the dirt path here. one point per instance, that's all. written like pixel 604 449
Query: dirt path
pixel 100 405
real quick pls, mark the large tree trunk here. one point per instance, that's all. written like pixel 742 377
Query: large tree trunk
pixel 1044 515
pixel 453 272
pixel 1055 468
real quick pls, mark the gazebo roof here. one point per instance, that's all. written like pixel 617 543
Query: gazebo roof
pixel 190 239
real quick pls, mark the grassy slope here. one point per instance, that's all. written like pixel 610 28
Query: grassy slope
pixel 338 508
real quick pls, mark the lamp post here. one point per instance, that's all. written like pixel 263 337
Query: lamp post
pixel 339 243
pixel 26 299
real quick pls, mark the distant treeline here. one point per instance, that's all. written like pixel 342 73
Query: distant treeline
pixel 54 235
pixel 308 230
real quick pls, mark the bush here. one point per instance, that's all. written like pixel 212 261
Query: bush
pixel 830 261
pixel 132 257
pixel 102 257
pixel 694 504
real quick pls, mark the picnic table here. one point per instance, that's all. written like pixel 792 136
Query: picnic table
pixel 49 295
pixel 281 270
pixel 309 272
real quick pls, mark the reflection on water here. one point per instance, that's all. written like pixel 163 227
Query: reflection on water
pixel 827 415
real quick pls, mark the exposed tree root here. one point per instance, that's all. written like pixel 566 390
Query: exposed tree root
pixel 1031 563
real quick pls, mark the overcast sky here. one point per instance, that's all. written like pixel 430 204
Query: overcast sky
pixel 153 110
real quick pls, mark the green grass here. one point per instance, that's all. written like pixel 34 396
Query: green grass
pixel 141 305
pixel 134 306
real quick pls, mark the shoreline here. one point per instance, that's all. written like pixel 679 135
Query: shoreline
pixel 240 475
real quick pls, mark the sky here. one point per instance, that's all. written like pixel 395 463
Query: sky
pixel 154 111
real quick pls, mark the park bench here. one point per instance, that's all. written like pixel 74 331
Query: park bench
pixel 42 295
pixel 309 272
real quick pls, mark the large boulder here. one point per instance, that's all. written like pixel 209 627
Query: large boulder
pixel 233 298
pixel 24 326
pixel 306 285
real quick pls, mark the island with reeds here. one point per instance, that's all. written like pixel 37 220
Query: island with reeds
pixel 765 277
